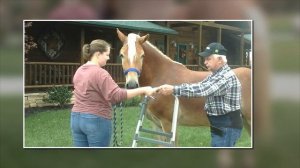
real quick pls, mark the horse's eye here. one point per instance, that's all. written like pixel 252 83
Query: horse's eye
pixel 142 56
pixel 121 55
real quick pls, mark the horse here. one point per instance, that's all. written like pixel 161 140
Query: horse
pixel 146 65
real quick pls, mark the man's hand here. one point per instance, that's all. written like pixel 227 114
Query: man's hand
pixel 165 89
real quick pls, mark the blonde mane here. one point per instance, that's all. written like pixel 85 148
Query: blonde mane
pixel 161 53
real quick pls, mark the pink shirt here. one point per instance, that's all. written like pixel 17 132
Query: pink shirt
pixel 95 91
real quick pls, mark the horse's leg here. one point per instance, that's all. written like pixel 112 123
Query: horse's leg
pixel 247 125
pixel 162 125
pixel 158 125
pixel 246 115
pixel 167 127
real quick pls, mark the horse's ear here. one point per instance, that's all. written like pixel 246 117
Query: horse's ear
pixel 143 38
pixel 121 36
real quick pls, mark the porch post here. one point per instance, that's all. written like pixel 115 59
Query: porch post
pixel 242 48
pixel 167 40
pixel 220 35
pixel 200 43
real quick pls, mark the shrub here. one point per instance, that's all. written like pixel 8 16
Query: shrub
pixel 60 95
pixel 133 101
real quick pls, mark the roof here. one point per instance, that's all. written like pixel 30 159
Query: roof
pixel 132 25
pixel 240 24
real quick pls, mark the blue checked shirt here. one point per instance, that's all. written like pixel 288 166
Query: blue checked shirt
pixel 222 90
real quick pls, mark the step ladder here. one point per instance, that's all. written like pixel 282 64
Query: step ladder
pixel 170 136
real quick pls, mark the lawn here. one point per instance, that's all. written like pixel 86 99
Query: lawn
pixel 50 128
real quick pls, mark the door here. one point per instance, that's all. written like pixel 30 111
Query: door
pixel 181 53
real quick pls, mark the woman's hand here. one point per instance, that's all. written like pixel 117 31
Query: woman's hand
pixel 149 91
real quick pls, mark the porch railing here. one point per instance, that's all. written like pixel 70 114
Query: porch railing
pixel 116 71
pixel 47 74
pixel 194 67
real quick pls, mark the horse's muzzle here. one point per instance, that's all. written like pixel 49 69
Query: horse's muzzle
pixel 132 84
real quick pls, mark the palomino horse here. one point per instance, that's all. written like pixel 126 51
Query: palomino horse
pixel 145 65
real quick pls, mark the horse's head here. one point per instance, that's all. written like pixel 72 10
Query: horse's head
pixel 132 55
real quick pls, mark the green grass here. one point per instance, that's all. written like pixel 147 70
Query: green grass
pixel 52 129
pixel 48 129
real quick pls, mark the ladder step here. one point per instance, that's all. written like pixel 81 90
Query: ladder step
pixel 153 141
pixel 168 135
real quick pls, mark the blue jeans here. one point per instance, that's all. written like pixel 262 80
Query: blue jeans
pixel 226 137
pixel 225 129
pixel 89 130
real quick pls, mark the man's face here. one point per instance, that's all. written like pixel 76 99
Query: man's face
pixel 212 63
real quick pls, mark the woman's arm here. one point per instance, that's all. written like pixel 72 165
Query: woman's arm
pixel 139 91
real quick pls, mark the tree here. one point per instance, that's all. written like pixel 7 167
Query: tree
pixel 29 40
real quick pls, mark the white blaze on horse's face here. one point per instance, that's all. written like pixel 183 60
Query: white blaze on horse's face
pixel 131 47
pixel 132 55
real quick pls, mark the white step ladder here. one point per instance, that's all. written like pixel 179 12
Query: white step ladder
pixel 170 136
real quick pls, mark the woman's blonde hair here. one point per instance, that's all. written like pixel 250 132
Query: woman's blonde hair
pixel 88 50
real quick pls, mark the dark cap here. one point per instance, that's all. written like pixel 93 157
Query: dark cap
pixel 213 48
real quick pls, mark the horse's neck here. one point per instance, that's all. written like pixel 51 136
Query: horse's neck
pixel 153 65
pixel 159 69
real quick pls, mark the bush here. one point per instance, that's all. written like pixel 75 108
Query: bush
pixel 133 101
pixel 60 95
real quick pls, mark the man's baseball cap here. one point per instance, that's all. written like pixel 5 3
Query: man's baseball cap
pixel 213 48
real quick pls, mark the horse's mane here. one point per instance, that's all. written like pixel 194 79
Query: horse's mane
pixel 161 53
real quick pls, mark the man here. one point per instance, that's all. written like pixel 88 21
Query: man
pixel 222 90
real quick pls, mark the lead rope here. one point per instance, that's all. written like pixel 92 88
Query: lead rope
pixel 118 138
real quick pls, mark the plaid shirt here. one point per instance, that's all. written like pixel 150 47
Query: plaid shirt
pixel 222 90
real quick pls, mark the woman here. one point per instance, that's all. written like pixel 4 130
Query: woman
pixel 95 91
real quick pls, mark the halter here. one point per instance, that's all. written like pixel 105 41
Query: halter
pixel 132 70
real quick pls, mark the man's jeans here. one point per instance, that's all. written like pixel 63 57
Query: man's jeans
pixel 89 130
pixel 225 137
pixel 226 129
